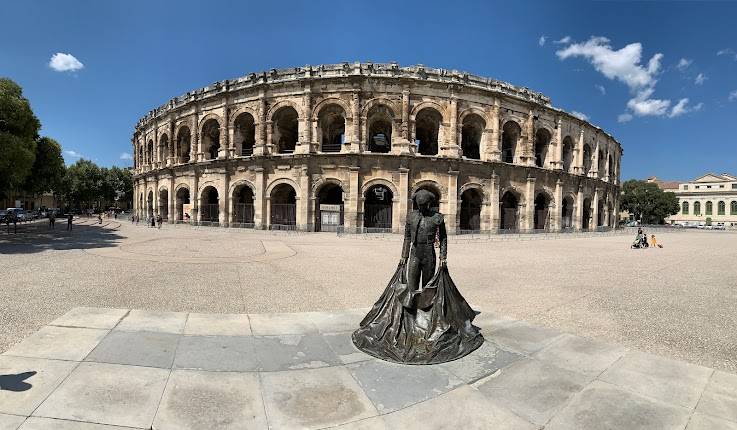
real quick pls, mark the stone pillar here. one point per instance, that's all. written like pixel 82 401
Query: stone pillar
pixel 194 151
pixel 194 196
pixel 259 200
pixel 259 147
pixel 404 144
pixel 595 211
pixel 355 146
pixel 303 199
pixel 579 210
pixel 451 148
pixel 172 145
pixel 594 172
pixel 530 204
pixel 493 151
pixel 304 141
pixel 399 217
pixel 269 147
pixel 224 200
pixel 607 173
pixel 224 146
pixel 558 206
pixel 452 214
pixel 494 202
pixel 528 151
pixel 351 208
pixel 606 211
pixel 172 201
pixel 578 165
pixel 558 159
pixel 231 142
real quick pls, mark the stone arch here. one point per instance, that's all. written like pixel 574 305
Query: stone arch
pixel 473 110
pixel 471 202
pixel 379 101
pixel 329 200
pixel 150 152
pixel 587 157
pixel 567 207
pixel 183 143
pixel 586 214
pixel 242 200
pixel 511 137
pixel 379 200
pixel 164 149
pixel 543 139
pixel 241 110
pixel 278 181
pixel 541 212
pixel 209 207
pixel 285 128
pixel 244 133
pixel 163 202
pixel 567 153
pixel 206 118
pixel 509 205
pixel 182 196
pixel 314 115
pixel 282 104
pixel 150 203
pixel 332 121
pixel 428 104
pixel 428 125
pixel 472 133
pixel 210 136
pixel 379 181
pixel 380 126
pixel 283 197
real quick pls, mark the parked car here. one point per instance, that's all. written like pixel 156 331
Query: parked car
pixel 3 215
pixel 19 213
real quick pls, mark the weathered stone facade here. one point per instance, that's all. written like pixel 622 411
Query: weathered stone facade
pixel 315 147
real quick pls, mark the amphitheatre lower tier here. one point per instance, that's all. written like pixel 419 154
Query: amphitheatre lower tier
pixel 373 193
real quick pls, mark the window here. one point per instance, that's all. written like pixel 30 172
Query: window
pixel 685 187
pixel 697 208
pixel 721 186
pixel 721 206
pixel 734 186
pixel 684 209
pixel 709 208
pixel 697 187
pixel 733 208
pixel 708 186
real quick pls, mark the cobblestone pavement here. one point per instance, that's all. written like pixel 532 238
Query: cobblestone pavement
pixel 110 369
pixel 678 301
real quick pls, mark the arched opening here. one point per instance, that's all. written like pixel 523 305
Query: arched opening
pixel 329 208
pixel 435 192
pixel 331 122
pixel 540 221
pixel 211 139
pixel 600 213
pixel 150 152
pixel 377 207
pixel 586 214
pixel 163 149
pixel 566 213
pixel 611 168
pixel 283 207
pixel 612 222
pixel 150 205
pixel 183 203
pixel 243 208
pixel 379 120
pixel 510 136
pixel 567 154
pixel 508 212
pixel 601 164
pixel 210 206
pixel 733 208
pixel 244 134
pixel 709 208
pixel 164 204
pixel 427 129
pixel 542 143
pixel 586 159
pixel 141 160
pixel 684 208
pixel 471 201
pixel 184 139
pixel 472 130
pixel 286 130
pixel 141 209
pixel 697 208
pixel 721 208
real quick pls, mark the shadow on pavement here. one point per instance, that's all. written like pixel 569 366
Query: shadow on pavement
pixel 16 382
pixel 38 237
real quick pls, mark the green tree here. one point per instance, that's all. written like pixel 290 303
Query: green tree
pixel 121 182
pixel 48 168
pixel 647 202
pixel 83 184
pixel 18 134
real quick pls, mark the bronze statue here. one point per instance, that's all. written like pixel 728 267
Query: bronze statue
pixel 421 318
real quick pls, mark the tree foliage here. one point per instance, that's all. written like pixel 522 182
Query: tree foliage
pixel 87 185
pixel 19 129
pixel 647 202
pixel 48 168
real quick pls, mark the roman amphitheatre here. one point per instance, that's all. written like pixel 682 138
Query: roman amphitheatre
pixel 344 147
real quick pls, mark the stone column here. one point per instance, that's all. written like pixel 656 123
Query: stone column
pixel 231 142
pixel 452 214
pixel 530 204
pixel 269 147
pixel 607 173
pixel 579 210
pixel 578 168
pixel 194 150
pixel 451 148
pixel 259 200
pixel 404 143
pixel 595 204
pixel 304 141
pixel 557 163
pixel 594 172
pixel 172 145
pixel 558 206
pixel 493 151
pixel 355 146
pixel 351 207
pixel 224 146
pixel 303 200
pixel 400 216
pixel 224 200
pixel 194 196
pixel 172 201
pixel 259 147
pixel 528 152
pixel 494 202
pixel 606 211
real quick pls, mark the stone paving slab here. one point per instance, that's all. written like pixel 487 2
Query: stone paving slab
pixel 124 369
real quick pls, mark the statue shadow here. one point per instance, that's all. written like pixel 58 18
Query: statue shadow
pixel 16 382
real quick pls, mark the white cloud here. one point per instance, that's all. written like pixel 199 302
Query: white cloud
pixel 65 62
pixel 728 52
pixel 683 64
pixel 623 64
pixel 541 41
pixel 126 156
pixel 73 154
pixel 625 117
pixel 733 96
pixel 580 115
pixel 643 105
pixel 601 89
pixel 700 78
pixel 564 40
pixel 682 108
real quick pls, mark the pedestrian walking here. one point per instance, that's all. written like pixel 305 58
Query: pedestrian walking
pixel 159 221
pixel 70 217
pixel 137 219
pixel 15 223
pixel 52 220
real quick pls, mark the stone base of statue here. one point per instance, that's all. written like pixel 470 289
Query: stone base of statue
pixel 427 326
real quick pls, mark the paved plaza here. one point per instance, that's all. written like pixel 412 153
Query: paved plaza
pixel 98 369
pixel 131 327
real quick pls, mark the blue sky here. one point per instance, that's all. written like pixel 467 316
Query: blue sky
pixel 136 55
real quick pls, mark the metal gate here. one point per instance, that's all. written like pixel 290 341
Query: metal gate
pixel 283 215
pixel 243 215
pixel 377 215
pixel 209 214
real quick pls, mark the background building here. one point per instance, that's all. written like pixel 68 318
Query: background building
pixel 347 145
pixel 707 199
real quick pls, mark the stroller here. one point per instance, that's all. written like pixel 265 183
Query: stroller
pixel 640 242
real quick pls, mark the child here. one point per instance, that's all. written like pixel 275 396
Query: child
pixel 654 243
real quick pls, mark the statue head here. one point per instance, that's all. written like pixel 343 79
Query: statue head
pixel 424 200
